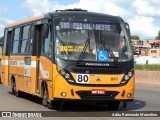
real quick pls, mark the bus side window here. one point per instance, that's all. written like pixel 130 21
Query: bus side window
pixel 47 42
pixel 25 39
pixel 16 39
pixel 5 43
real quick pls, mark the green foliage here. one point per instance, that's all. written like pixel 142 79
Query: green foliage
pixel 158 37
pixel 135 37
pixel 1 39
pixel 147 67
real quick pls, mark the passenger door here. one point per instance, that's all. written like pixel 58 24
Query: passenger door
pixel 43 47
pixel 5 57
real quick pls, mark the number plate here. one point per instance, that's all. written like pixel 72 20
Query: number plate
pixel 82 78
pixel 98 91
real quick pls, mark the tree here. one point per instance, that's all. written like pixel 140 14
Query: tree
pixel 158 37
pixel 135 37
pixel 1 39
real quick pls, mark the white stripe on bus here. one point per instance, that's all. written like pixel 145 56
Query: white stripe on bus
pixel 21 63
pixel 4 62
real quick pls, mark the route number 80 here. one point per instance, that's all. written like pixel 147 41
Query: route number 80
pixel 82 78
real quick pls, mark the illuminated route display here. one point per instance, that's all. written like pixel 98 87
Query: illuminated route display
pixel 87 26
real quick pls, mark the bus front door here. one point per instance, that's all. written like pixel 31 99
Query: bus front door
pixel 43 61
pixel 37 48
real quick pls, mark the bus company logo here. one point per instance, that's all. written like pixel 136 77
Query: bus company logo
pixel 13 63
pixel 97 64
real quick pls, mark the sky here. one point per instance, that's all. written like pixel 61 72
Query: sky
pixel 143 16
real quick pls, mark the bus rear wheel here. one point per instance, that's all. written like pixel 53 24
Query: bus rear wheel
pixel 14 90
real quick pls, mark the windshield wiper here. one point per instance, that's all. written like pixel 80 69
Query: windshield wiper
pixel 107 48
pixel 82 55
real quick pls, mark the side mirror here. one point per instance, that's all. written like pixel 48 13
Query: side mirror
pixel 127 25
pixel 45 30
pixel 128 29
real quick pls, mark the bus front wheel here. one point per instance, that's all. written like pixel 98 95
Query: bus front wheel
pixel 49 103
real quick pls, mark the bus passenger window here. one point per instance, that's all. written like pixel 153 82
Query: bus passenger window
pixel 16 40
pixel 5 43
pixel 25 39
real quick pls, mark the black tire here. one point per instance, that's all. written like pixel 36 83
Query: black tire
pixel 114 104
pixel 15 92
pixel 13 87
pixel 45 96
pixel 18 93
pixel 50 104
pixel 57 105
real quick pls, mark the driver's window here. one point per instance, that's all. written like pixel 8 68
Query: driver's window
pixel 47 43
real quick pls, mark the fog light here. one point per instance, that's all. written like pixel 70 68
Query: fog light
pixel 130 74
pixel 63 94
pixel 126 77
pixel 129 95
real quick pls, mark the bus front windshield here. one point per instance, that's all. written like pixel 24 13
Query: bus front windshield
pixel 98 40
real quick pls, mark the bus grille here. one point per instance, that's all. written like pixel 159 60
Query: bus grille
pixel 86 95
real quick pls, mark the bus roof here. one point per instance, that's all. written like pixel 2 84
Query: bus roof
pixel 87 15
pixel 68 14
pixel 25 21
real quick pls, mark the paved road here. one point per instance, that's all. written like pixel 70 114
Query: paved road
pixel 146 99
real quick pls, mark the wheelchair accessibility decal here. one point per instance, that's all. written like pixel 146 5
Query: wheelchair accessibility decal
pixel 102 56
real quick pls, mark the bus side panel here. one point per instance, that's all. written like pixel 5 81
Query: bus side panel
pixel 55 75
pixel 21 73
pixel 27 84
pixel 4 70
pixel 33 74
pixel 19 82
pixel 46 74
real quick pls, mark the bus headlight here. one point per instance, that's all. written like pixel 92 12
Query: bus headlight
pixel 66 75
pixel 62 72
pixel 130 74
pixel 127 77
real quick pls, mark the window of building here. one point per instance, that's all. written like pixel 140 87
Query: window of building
pixel 153 51
pixel 16 40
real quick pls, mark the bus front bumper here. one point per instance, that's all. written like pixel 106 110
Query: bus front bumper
pixel 64 91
